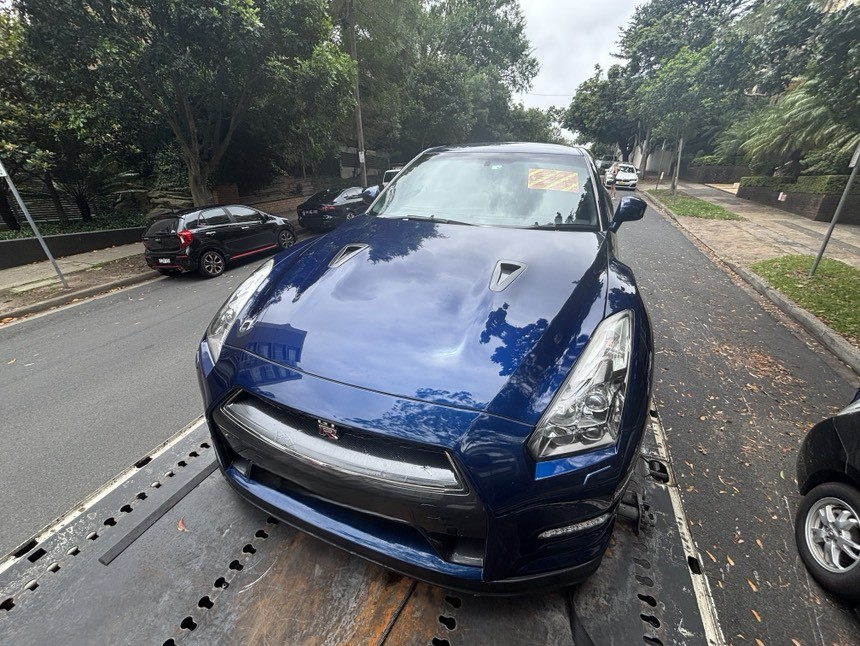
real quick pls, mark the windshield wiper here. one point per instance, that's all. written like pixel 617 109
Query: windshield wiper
pixel 432 218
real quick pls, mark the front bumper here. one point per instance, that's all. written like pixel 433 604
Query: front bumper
pixel 482 537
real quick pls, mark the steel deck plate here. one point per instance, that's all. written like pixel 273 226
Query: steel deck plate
pixel 170 559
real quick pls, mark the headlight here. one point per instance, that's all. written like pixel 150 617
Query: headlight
pixel 220 326
pixel 586 412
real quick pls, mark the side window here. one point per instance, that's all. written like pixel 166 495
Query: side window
pixel 244 214
pixel 191 222
pixel 351 194
pixel 215 217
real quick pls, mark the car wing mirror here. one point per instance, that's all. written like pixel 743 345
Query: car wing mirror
pixel 629 209
pixel 369 194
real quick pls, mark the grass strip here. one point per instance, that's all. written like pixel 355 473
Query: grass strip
pixel 833 294
pixel 692 207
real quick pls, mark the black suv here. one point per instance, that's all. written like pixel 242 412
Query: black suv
pixel 206 238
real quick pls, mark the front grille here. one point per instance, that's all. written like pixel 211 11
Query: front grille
pixel 362 474
pixel 353 454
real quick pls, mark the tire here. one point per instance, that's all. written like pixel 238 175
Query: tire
pixel 170 272
pixel 827 532
pixel 350 215
pixel 211 264
pixel 286 238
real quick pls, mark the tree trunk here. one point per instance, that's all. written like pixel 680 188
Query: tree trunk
pixel 84 207
pixel 677 165
pixel 55 198
pixel 197 183
pixel 643 165
pixel 7 213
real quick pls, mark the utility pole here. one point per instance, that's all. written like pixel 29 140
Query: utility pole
pixel 854 164
pixel 4 174
pixel 359 128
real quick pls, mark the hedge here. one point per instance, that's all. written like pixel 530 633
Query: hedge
pixel 708 160
pixel 815 184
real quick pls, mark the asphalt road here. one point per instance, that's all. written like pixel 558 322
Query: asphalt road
pixel 737 389
pixel 88 389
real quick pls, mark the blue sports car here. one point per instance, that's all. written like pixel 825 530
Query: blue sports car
pixel 454 384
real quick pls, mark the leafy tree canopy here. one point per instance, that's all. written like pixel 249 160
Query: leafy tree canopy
pixel 199 64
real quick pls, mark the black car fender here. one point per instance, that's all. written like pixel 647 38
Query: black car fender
pixel 829 453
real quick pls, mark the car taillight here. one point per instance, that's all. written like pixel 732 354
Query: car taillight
pixel 327 207
pixel 185 238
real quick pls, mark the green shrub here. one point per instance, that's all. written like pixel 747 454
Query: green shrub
pixel 79 226
pixel 816 184
pixel 765 182
pixel 707 160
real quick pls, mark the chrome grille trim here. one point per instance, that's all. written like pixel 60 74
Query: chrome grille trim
pixel 250 414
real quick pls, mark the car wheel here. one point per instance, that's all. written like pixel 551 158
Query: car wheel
pixel 170 272
pixel 350 215
pixel 286 238
pixel 827 531
pixel 211 264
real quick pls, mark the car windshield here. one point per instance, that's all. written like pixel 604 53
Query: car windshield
pixel 163 227
pixel 626 168
pixel 509 189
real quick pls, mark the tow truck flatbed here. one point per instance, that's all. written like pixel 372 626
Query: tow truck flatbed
pixel 169 554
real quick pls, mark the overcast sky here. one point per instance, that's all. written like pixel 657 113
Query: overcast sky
pixel 569 38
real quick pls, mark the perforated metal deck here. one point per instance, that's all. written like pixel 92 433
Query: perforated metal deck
pixel 173 556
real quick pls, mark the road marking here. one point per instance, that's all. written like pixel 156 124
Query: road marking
pixel 99 494
pixel 701 586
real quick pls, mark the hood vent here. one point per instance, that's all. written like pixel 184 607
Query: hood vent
pixel 505 273
pixel 346 253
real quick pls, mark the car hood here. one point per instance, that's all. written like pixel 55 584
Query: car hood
pixel 626 175
pixel 424 310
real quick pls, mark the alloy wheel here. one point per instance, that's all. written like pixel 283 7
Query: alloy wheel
pixel 832 533
pixel 211 264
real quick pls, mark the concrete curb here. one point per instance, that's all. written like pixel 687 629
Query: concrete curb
pixel 828 337
pixel 65 299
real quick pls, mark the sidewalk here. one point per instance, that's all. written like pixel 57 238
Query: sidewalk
pixel 37 272
pixel 766 233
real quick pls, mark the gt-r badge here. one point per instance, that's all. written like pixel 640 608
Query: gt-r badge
pixel 328 430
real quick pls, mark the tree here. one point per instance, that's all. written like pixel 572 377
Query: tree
pixel 199 64
pixel 600 110
pixel 660 29
pixel 488 33
pixel 678 101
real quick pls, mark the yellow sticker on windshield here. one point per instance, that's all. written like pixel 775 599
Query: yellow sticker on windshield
pixel 554 180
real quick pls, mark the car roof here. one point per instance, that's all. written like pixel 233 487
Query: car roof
pixel 512 147
pixel 195 209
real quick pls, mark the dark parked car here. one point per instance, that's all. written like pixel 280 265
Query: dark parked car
pixel 827 525
pixel 205 239
pixel 454 386
pixel 330 207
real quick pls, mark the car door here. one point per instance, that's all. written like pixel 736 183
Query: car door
pixel 216 229
pixel 253 232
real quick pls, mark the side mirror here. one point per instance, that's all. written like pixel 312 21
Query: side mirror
pixel 629 209
pixel 369 194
